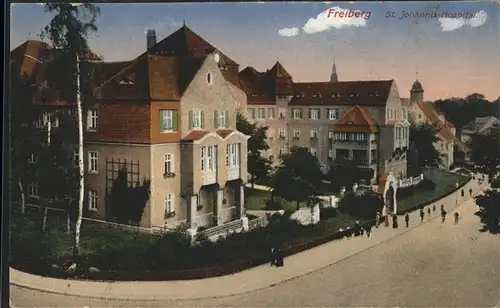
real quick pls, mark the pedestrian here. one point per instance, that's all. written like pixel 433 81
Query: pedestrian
pixel 470 191
pixel 407 220
pixel 368 230
pixel 394 221
pixel 273 256
pixel 443 215
pixel 428 211
pixel 422 214
pixel 457 216
pixel 433 207
pixel 377 220
pixel 280 258
pixel 348 233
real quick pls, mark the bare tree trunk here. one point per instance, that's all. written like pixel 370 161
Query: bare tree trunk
pixel 23 198
pixel 76 247
pixel 49 128
pixel 44 221
pixel 68 224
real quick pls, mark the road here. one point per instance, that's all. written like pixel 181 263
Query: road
pixel 434 265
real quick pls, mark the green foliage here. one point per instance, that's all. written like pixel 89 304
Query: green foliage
pixel 489 209
pixel 127 201
pixel 422 138
pixel 298 176
pixel 413 167
pixel 258 166
pixel 364 205
pixel 485 152
pixel 346 173
pixel 424 185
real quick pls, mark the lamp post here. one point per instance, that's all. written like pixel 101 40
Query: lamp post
pixel 456 187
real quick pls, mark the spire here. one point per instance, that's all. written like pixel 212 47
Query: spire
pixel 333 76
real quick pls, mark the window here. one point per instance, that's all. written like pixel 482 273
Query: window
pixel 54 121
pixel 330 135
pixel 261 113
pixel 33 190
pixel 92 120
pixel 314 114
pixel 271 113
pixel 296 134
pixel 333 114
pixel 282 133
pixel 92 200
pixel 168 164
pixel 208 158
pixel 221 118
pixel 296 113
pixel 341 136
pixel 196 119
pixel 330 153
pixel 282 113
pixel 314 152
pixel 282 151
pixel 209 78
pixel 169 203
pixel 360 137
pixel 168 121
pixel 233 155
pixel 251 113
pixel 33 158
pixel 314 134
pixel 93 162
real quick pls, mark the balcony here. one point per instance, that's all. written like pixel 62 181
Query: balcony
pixel 208 178
pixel 233 173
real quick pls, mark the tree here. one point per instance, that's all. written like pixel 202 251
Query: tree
pixel 345 172
pixel 68 34
pixel 422 138
pixel 298 177
pixel 364 205
pixel 485 152
pixel 258 166
pixel 489 209
pixel 25 136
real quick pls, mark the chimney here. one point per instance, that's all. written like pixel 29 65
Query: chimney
pixel 150 38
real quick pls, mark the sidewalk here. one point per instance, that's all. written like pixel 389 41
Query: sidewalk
pixel 243 282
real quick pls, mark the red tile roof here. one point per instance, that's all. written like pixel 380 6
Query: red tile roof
pixel 355 119
pixel 194 135
pixel 365 93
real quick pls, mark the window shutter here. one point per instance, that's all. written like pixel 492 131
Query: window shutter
pixel 190 119
pixel 328 113
pixel 160 119
pixel 227 118
pixel 309 112
pixel 202 119
pixel 291 112
pixel 319 114
pixel 216 119
pixel 175 114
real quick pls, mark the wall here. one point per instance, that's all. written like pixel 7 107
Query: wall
pixel 156 135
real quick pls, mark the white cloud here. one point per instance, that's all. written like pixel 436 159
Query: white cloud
pixel 324 22
pixel 289 32
pixel 451 24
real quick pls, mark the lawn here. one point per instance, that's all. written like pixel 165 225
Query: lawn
pixel 256 200
pixel 445 184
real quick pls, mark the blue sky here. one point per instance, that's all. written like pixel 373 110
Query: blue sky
pixel 454 62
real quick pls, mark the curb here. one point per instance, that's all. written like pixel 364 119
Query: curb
pixel 151 298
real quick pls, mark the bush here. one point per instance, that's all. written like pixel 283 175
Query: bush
pixel 365 205
pixel 327 213
pixel 274 205
pixel 425 184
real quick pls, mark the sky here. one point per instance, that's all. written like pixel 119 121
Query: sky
pixel 453 53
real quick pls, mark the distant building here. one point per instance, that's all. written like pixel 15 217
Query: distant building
pixel 480 126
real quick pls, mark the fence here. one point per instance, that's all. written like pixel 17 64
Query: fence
pixel 257 223
pixel 228 214
pixel 227 228
pixel 411 181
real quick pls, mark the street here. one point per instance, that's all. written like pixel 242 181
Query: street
pixel 433 265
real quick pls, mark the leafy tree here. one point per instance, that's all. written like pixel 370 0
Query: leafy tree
pixel 489 209
pixel 298 177
pixel 413 168
pixel 258 166
pixel 422 138
pixel 345 172
pixel 485 152
pixel 68 31
pixel 365 205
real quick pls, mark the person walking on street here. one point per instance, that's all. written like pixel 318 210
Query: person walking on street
pixel 407 220
pixel 280 258
pixel 457 216
pixel 422 214
pixel 368 230
pixel 443 215
pixel 387 220
pixel 428 211
pixel 442 207
pixel 394 221
pixel 377 221
pixel 470 191
pixel 273 256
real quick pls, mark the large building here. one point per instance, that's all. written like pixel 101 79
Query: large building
pixel 363 121
pixel 168 116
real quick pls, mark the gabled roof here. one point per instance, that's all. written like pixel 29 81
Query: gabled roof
pixel 278 71
pixel 443 131
pixel 363 93
pixel 356 119
pixel 480 125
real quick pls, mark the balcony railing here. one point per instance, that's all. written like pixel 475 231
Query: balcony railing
pixel 233 173
pixel 204 220
pixel 208 177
